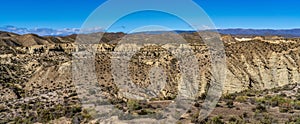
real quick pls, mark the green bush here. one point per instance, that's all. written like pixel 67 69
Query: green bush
pixel 133 105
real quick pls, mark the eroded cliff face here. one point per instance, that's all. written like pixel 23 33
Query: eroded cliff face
pixel 261 65
pixel 251 64
pixel 255 64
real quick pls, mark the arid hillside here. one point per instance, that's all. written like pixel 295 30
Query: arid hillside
pixel 36 74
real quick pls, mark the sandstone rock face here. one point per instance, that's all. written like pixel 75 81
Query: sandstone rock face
pixel 250 65
pixel 261 65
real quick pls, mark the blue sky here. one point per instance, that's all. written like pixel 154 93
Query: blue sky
pixel 253 13
pixel 59 14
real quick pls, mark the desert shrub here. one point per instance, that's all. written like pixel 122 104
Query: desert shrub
pixel 286 107
pixel 202 96
pixel 298 96
pixel 146 112
pixel 236 120
pixel 293 120
pixel 133 105
pixel 250 94
pixel 229 104
pixel 298 90
pixel 218 105
pixel 283 110
pixel 252 100
pixel 73 94
pixel 85 114
pixel 282 100
pixel 76 109
pixel 232 119
pixel 116 101
pixel 260 100
pixel 217 120
pixel 45 115
pixel 229 96
pixel 274 100
pixel 283 95
pixel 241 98
pixel 297 105
pixel 2 108
pixel 197 104
pixel 268 120
pixel 289 87
pixel 195 116
pixel 20 120
pixel 92 91
pixel 260 108
pixel 245 115
pixel 170 97
pixel 77 119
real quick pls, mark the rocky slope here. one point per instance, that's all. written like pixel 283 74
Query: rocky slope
pixel 36 73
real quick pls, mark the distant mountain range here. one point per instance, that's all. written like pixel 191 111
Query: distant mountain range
pixel 247 32
pixel 263 32
pixel 69 31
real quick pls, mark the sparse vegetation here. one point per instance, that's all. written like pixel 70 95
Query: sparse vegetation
pixel 217 120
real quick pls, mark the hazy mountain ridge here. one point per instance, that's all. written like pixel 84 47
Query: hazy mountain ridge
pixel 235 31
pixel 262 32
